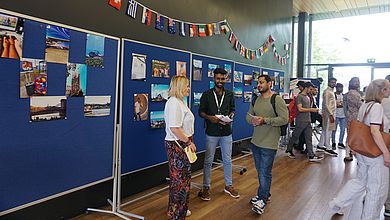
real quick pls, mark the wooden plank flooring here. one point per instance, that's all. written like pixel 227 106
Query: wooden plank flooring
pixel 300 190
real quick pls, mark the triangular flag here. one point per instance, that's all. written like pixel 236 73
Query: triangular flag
pixel 265 48
pixel 271 39
pixel 252 55
pixel 236 44
pixel 257 54
pixel 224 27
pixel 202 30
pixel 209 30
pixel 247 53
pixel 115 3
pixel 182 29
pixel 273 48
pixel 231 37
pixel 261 50
pixel 132 8
pixel 171 26
pixel 159 22
pixel 192 30
pixel 217 28
pixel 146 16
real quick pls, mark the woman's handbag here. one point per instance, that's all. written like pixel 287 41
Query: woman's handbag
pixel 360 139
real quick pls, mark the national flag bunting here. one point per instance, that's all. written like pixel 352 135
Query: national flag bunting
pixel 217 28
pixel 132 8
pixel 160 22
pixel 192 30
pixel 115 3
pixel 146 16
pixel 224 27
pixel 252 55
pixel 236 44
pixel 247 53
pixel 182 29
pixel 271 39
pixel 201 30
pixel 171 26
pixel 257 54
pixel 209 31
pixel 231 37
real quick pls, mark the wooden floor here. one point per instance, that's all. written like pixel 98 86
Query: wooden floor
pixel 300 190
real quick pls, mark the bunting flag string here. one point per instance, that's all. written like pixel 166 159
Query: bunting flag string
pixel 203 30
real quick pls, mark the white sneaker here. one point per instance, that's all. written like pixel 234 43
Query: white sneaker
pixel 188 213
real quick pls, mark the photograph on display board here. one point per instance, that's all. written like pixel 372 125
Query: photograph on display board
pixel 138 68
pixel 247 79
pixel 11 36
pixel 95 106
pixel 238 76
pixel 237 92
pixel 211 68
pixel 256 75
pixel 276 75
pixel 160 69
pixel 197 96
pixel 197 70
pixel 281 86
pixel 57 44
pixel 211 84
pixel 265 73
pixel 159 92
pixel 247 96
pixel 228 68
pixel 94 53
pixel 33 78
pixel 76 80
pixel 141 107
pixel 157 119
pixel 47 108
pixel 273 87
pixel 181 68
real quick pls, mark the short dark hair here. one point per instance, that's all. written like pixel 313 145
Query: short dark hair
pixel 300 83
pixel 387 77
pixel 308 84
pixel 266 77
pixel 220 70
pixel 339 85
pixel 332 78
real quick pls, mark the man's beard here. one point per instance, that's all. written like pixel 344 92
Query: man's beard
pixel 264 91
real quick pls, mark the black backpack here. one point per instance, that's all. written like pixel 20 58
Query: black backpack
pixel 283 128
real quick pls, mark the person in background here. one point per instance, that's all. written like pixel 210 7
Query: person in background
pixel 340 117
pixel 328 119
pixel 265 138
pixel 315 116
pixel 372 179
pixel 179 131
pixel 386 111
pixel 352 103
pixel 217 101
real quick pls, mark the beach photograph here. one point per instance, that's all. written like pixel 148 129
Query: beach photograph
pixel 33 78
pixel 57 44
pixel 47 108
pixel 228 68
pixel 159 92
pixel 76 80
pixel 237 92
pixel 197 96
pixel 211 68
pixel 157 119
pixel 94 53
pixel 97 106
pixel 238 76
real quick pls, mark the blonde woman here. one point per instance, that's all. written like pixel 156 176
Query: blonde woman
pixel 179 130
pixel 372 179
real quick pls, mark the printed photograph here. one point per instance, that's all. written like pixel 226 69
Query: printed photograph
pixel 228 68
pixel 238 76
pixel 141 107
pixel 237 92
pixel 11 37
pixel 94 53
pixel 197 70
pixel 197 96
pixel 247 96
pixel 211 68
pixel 160 69
pixel 33 78
pixel 138 68
pixel 57 44
pixel 181 68
pixel 76 80
pixel 157 119
pixel 47 108
pixel 159 92
pixel 247 79
pixel 276 78
pixel 281 86
pixel 212 84
pixel 256 75
pixel 96 106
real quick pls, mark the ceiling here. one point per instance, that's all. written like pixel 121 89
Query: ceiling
pixel 326 9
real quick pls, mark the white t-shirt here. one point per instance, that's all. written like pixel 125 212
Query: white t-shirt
pixel 375 116
pixel 177 114
pixel 339 111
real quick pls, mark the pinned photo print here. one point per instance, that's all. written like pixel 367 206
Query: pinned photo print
pixel 247 96
pixel 160 69
pixel 76 80
pixel 94 53
pixel 197 70
pixel 181 68
pixel 157 119
pixel 47 108
pixel 57 44
pixel 159 92
pixel 211 68
pixel 212 84
pixel 11 36
pixel 237 92
pixel 97 106
pixel 238 76
pixel 138 68
pixel 276 74
pixel 256 75
pixel 197 96
pixel 247 79
pixel 228 68
pixel 33 78
pixel 281 86
pixel 140 107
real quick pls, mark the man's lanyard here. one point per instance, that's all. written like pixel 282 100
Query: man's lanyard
pixel 216 101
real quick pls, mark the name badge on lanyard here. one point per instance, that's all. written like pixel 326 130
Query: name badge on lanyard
pixel 219 104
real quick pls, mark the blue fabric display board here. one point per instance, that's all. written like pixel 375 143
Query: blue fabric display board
pixel 143 146
pixel 241 129
pixel 200 86
pixel 39 160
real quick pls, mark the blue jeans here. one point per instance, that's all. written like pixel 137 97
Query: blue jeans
pixel 264 160
pixel 226 150
pixel 342 123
